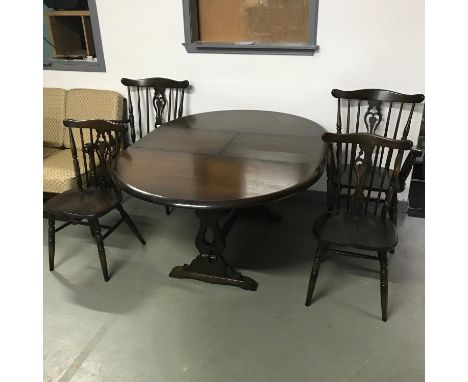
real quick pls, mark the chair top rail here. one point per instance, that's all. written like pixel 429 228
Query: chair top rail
pixel 100 125
pixel 377 95
pixel 156 82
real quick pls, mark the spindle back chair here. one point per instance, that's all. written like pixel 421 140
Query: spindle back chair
pixel 95 146
pixel 152 102
pixel 358 216
pixel 383 112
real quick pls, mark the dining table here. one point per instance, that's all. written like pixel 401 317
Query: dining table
pixel 222 164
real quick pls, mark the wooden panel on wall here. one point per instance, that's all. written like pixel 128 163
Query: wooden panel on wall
pixel 254 20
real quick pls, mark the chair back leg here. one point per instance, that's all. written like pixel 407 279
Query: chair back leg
pixel 383 283
pixel 321 249
pixel 130 223
pixel 393 211
pixel 51 241
pixel 96 227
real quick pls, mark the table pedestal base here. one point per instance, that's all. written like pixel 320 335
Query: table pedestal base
pixel 210 266
pixel 214 271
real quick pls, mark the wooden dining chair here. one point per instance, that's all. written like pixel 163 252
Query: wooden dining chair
pixel 383 112
pixel 152 102
pixel 95 146
pixel 358 216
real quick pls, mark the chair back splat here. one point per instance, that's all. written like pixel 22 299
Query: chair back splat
pixel 152 102
pixel 95 146
pixel 349 174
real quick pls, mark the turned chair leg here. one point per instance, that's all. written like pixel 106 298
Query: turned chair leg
pixel 322 248
pixel 383 284
pixel 130 223
pixel 51 242
pixel 96 227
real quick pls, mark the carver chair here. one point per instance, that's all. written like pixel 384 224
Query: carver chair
pixel 95 146
pixel 152 102
pixel 383 112
pixel 358 216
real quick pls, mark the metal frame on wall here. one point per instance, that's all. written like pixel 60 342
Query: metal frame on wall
pixel 193 44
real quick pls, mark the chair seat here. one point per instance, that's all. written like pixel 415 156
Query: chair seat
pixel 343 228
pixel 89 203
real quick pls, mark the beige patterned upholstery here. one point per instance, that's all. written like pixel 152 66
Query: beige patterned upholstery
pixel 59 175
pixel 91 104
pixel 53 114
pixel 48 151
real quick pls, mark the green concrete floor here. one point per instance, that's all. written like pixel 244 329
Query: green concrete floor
pixel 144 326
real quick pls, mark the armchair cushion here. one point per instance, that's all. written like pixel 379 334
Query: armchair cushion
pixel 58 172
pixel 53 114
pixel 92 104
pixel 48 151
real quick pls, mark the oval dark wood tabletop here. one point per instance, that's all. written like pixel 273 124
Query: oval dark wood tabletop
pixel 223 159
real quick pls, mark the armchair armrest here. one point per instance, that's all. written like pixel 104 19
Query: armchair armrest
pixel 407 167
pixel 387 203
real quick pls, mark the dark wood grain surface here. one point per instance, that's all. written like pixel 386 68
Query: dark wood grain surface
pixel 223 159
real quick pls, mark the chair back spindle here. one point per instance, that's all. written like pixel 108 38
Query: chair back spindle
pixel 375 102
pixel 95 146
pixel 161 100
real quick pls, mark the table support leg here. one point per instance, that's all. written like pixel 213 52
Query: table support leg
pixel 210 266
